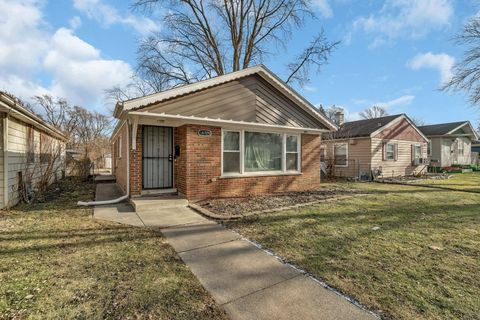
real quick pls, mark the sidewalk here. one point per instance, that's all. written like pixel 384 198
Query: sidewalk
pixel 248 282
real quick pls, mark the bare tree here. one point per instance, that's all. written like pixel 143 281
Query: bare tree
pixel 56 112
pixel 466 73
pixel 206 38
pixel 331 112
pixel 373 112
pixel 315 55
pixel 418 121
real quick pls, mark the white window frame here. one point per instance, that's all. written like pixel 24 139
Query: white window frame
pixel 394 151
pixel 240 146
pixel 429 148
pixel 415 151
pixel 334 156
pixel 243 173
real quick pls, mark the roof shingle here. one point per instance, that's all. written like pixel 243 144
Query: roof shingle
pixel 360 128
pixel 440 129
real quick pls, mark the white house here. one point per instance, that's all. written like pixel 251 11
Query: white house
pixel 450 143
pixel 30 147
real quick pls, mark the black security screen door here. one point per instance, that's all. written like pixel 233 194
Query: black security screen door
pixel 157 157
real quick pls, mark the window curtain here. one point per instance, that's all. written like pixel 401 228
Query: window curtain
pixel 263 151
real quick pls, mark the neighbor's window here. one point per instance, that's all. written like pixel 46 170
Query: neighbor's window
pixel 30 145
pixel 340 154
pixel 45 148
pixel 263 151
pixel 292 153
pixel 390 151
pixel 429 148
pixel 257 152
pixel 231 152
pixel 323 152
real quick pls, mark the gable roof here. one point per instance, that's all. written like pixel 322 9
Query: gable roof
pixel 10 104
pixel 441 128
pixel 446 128
pixel 260 70
pixel 367 127
pixel 360 128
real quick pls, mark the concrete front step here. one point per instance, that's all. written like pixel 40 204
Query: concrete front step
pixel 157 203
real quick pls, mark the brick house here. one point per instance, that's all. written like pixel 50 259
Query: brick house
pixel 239 134
pixel 387 146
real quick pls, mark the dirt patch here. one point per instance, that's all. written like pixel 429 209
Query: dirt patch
pixel 243 205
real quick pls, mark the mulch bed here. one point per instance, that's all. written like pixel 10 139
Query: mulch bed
pixel 242 205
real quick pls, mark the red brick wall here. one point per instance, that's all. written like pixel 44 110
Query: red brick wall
pixel 180 164
pixel 136 166
pixel 198 168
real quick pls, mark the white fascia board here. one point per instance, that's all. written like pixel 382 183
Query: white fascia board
pixel 224 123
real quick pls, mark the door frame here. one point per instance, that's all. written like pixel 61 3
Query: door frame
pixel 146 191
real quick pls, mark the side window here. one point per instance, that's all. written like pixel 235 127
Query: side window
pixel 30 145
pixel 340 154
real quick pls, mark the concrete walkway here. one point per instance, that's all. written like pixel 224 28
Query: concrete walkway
pixel 246 281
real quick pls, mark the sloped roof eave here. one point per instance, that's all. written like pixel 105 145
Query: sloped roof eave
pixel 138 103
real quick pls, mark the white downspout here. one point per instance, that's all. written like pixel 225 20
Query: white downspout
pixel 120 199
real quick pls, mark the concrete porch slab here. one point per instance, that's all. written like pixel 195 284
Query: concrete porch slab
pixel 170 217
pixel 234 269
pixel 198 235
pixel 119 212
pixel 297 298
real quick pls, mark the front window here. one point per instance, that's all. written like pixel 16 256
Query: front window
pixel 340 154
pixel 292 153
pixel 231 152
pixel 263 151
pixel 253 152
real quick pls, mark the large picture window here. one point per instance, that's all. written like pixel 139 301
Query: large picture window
pixel 340 152
pixel 263 151
pixel 249 152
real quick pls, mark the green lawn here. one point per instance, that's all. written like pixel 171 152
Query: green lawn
pixel 423 262
pixel 459 181
pixel 57 262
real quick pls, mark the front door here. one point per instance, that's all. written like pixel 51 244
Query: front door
pixel 157 157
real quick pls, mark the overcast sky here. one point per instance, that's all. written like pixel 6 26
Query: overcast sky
pixel 395 53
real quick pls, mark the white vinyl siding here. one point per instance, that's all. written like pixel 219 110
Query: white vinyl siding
pixel 17 158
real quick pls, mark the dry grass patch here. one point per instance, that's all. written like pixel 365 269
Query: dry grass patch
pixel 58 262
pixel 405 251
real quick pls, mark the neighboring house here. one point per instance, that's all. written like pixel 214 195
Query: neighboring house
pixel 387 146
pixel 31 149
pixel 450 143
pixel 242 133
pixel 476 152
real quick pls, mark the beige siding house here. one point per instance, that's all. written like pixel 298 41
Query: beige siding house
pixel 450 143
pixel 388 146
pixel 30 148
